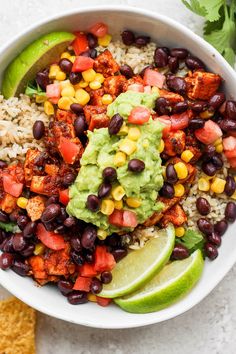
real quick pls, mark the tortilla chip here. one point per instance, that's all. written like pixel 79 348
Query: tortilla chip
pixel 17 327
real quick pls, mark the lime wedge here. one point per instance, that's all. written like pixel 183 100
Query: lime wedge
pixel 39 54
pixel 139 266
pixel 169 285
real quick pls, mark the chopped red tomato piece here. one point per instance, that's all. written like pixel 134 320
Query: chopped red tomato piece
pixel 64 197
pixel 82 284
pixel 80 44
pixel 87 270
pixel 99 29
pixel 153 78
pixel 82 63
pixel 229 143
pixel 179 121
pixel 165 120
pixel 147 89
pixel 139 115
pixel 209 133
pixel 135 88
pixel 116 218
pixel 50 239
pixel 69 150
pixel 103 301
pixel 123 218
pixel 11 187
pixel 232 162
pixel 53 92
pixel 104 261
pixel 230 154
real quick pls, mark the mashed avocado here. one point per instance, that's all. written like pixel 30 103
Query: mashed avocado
pixel 100 153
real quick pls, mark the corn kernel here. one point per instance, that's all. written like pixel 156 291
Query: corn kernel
pixel 89 75
pixel 123 130
pixel 81 84
pixel 99 77
pixel 187 155
pixel 82 97
pixel 233 196
pixel 203 184
pixel 134 133
pixel 118 204
pixel 218 141
pixel 60 76
pixel 181 170
pixel 206 114
pixel 92 297
pixel 119 159
pixel 127 146
pixel 64 103
pixel 218 185
pixel 102 234
pixel 105 40
pixel 179 190
pixel 72 58
pixel 65 83
pixel 164 172
pixel 118 193
pixel 65 55
pixel 145 144
pixel 133 202
pixel 48 108
pixel 54 69
pixel 161 146
pixel 68 91
pixel 22 202
pixel 155 89
pixel 95 85
pixel 219 148
pixel 40 98
pixel 39 249
pixel 106 99
pixel 107 207
pixel 179 231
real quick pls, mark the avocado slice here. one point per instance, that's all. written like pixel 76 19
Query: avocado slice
pixel 35 57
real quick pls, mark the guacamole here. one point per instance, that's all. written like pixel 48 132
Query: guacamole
pixel 100 153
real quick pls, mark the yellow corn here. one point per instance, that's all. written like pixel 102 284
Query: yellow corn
pixel 133 202
pixel 203 184
pixel 119 159
pixel 22 202
pixel 40 98
pixel 100 78
pixel 118 193
pixel 102 234
pixel 92 297
pixel 233 196
pixel 179 231
pixel 181 170
pixel 60 76
pixel 155 89
pixel 218 141
pixel 68 92
pixel 39 249
pixel 134 133
pixel 82 97
pixel 89 75
pixel 82 84
pixel 72 58
pixel 118 204
pixel 48 108
pixel 54 69
pixel 164 172
pixel 64 103
pixel 206 114
pixel 145 144
pixel 106 99
pixel 105 40
pixel 65 55
pixel 107 207
pixel 65 83
pixel 127 146
pixel 123 130
pixel 187 155
pixel 219 148
pixel 179 190
pixel 218 185
pixel 161 146
pixel 95 85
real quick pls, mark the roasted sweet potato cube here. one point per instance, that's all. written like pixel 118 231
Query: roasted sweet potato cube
pixel 114 84
pixel 171 96
pixel 46 185
pixel 35 207
pixel 167 204
pixel 98 121
pixel 175 143
pixel 65 116
pixel 134 80
pixel 202 85
pixel 96 97
pixel 37 265
pixel 90 111
pixel 8 203
pixel 58 263
pixel 29 165
pixel 51 169
pixel 106 64
pixel 174 215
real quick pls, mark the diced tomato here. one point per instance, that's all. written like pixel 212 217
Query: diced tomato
pixel 123 218
pixel 116 218
pixel 104 261
pixel 147 89
pixel 87 270
pixel 139 115
pixel 11 187
pixel 179 121
pixel 69 150
pixel 103 301
pixel 230 154
pixel 209 133
pixel 82 63
pixel 50 239
pixel 80 44
pixel 135 88
pixel 232 162
pixel 64 196
pixel 153 78
pixel 165 120
pixel 82 284
pixel 99 29
pixel 53 92
pixel 229 143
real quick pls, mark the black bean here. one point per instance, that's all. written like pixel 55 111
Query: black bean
pixel 211 251
pixel 205 226
pixel 194 63
pixel 180 107
pixel 217 161
pixel 65 65
pixel 38 129
pixel 109 174
pixel 171 175
pixel 3 164
pixel 177 84
pixel 75 243
pixel 119 253
pixel 162 106
pixel 53 199
pixel 18 242
pixel 136 165
pixel 106 277
pixel 42 79
pixel 22 221
pixel 65 287
pixel 70 222
pixel 60 229
pixel 51 212
pixel 179 252
pixel 199 106
pixel 85 54
pixel 203 206
pixel 180 53
pixel 208 152
pixel 209 168
pixel 20 267
pixel 167 191
pixel 141 41
pixel 75 78
pixel 227 125
pixel 77 108
pixel 230 212
pixel 113 241
pixel 28 250
pixel 217 100
pixel 6 260
pixel 3 217
pixel 77 297
pixel 104 189
pixel 93 53
pixel 220 227
pixel 88 237
pixel 68 179
pixel 92 40
pixel 173 64
pixel 128 37
pixel 230 109
pixel 29 229
pixel 7 245
pixel 115 124
pixel 196 123
pixel 80 125
pixel 63 215
pixel 127 71
pixel 160 57
pixel 96 286
pixel 214 239
pixel 93 203
pixel 50 226
pixel 89 257
pixel 77 258
pixel 230 186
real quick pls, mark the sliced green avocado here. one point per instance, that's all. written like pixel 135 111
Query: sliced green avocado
pixel 38 55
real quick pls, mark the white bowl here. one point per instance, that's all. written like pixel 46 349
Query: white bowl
pixel 165 32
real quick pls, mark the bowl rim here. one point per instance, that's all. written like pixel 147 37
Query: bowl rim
pixel 229 262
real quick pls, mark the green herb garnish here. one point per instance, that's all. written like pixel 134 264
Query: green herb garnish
pixel 34 89
pixel 192 240
pixel 8 227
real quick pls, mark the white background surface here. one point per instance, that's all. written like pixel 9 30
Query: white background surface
pixel 210 327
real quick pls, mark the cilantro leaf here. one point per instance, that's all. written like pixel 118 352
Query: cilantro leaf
pixel 8 227
pixel 229 55
pixel 32 89
pixel 216 25
pixel 195 6
pixel 206 8
pixel 192 240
